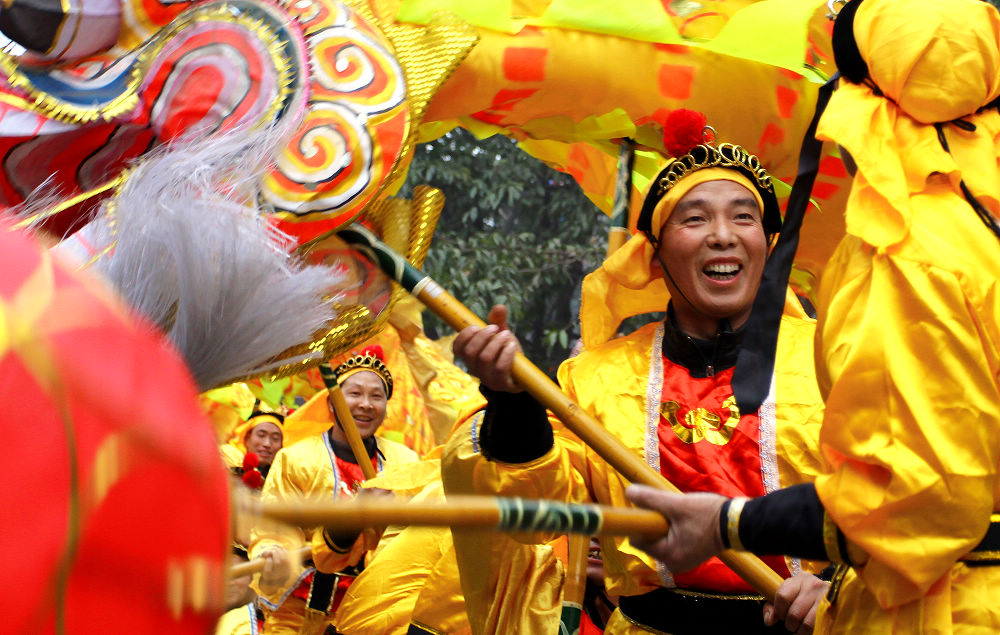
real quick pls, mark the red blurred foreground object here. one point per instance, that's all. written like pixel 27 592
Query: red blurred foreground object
pixel 116 516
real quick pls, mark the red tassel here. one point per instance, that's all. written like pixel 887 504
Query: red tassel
pixel 250 460
pixel 253 479
pixel 683 130
pixel 375 351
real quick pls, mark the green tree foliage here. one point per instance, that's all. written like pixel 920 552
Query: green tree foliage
pixel 513 231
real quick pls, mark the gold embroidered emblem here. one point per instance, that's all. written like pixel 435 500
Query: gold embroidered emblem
pixel 698 424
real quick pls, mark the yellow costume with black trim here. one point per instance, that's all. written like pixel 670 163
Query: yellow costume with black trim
pixel 615 383
pixel 909 346
pixel 412 576
pixel 307 471
pixel 411 583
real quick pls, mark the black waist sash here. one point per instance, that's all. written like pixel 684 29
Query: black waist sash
pixel 987 552
pixel 687 612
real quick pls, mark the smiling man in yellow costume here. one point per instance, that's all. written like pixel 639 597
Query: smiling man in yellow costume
pixel 322 468
pixel 909 348
pixel 665 391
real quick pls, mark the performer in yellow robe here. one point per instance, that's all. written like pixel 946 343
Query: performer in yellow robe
pixel 909 340
pixel 664 391
pixel 411 583
pixel 321 467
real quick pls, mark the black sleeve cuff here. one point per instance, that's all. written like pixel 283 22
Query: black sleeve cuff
pixel 515 427
pixel 785 522
pixel 340 543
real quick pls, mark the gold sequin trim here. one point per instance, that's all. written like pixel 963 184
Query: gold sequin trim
pixel 717 596
pixel 975 556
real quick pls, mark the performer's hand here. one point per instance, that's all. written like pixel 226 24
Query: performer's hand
pixel 488 352
pixel 796 602
pixel 376 493
pixel 277 568
pixel 693 536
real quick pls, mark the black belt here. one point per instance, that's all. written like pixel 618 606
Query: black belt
pixel 323 587
pixel 987 552
pixel 686 612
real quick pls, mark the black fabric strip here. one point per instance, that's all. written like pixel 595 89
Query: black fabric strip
pixel 788 522
pixel 321 592
pixel 344 452
pixel 515 427
pixel 340 542
pixel 755 364
pixel 701 358
pixel 991 541
pixel 687 614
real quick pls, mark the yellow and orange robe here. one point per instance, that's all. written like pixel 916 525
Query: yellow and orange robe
pixel 310 470
pixel 629 387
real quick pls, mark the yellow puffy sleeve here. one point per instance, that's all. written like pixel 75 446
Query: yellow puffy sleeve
pixel 281 486
pixel 465 470
pixel 909 366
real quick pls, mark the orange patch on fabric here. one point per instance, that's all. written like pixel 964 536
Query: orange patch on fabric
pixel 524 64
pixel 773 135
pixel 671 48
pixel 832 166
pixel 675 81
pixel 824 190
pixel 787 99
pixel 579 157
pixel 790 74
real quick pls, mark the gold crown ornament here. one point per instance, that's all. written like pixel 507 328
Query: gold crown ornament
pixel 370 359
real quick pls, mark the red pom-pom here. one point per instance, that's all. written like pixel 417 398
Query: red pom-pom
pixel 253 479
pixel 683 130
pixel 374 351
pixel 250 460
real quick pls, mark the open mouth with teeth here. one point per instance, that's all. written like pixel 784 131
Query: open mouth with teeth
pixel 722 271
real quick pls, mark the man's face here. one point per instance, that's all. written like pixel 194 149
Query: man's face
pixel 714 247
pixel 365 396
pixel 264 440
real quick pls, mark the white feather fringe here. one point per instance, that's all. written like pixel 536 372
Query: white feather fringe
pixel 193 254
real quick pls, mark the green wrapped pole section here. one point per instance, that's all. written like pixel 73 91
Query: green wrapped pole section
pixel 574 584
pixel 394 265
pixel 519 514
pixel 569 619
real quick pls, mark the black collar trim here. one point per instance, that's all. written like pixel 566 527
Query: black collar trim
pixel 702 358
pixel 344 452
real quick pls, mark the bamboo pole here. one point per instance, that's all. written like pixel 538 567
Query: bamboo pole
pixel 575 586
pixel 537 383
pixel 350 428
pixel 257 564
pixel 495 512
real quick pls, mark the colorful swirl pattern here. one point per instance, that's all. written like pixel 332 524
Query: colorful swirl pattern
pixel 355 124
